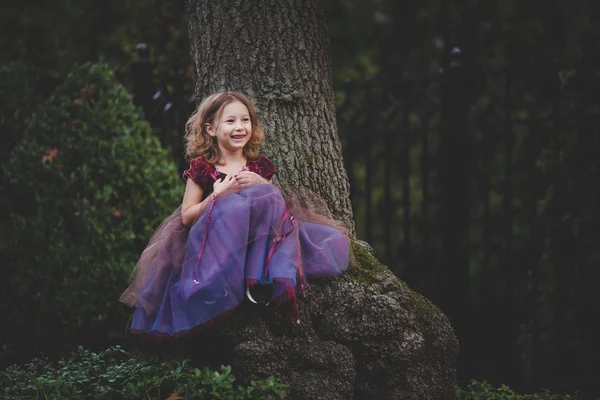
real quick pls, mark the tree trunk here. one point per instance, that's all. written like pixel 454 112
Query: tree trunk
pixel 277 52
pixel 385 342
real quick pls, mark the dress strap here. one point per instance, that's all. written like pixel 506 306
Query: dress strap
pixel 212 205
pixel 279 236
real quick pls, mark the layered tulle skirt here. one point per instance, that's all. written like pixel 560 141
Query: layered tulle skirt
pixel 186 279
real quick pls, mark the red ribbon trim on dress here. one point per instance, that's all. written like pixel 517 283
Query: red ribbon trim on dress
pixel 278 239
pixel 212 205
pixel 295 315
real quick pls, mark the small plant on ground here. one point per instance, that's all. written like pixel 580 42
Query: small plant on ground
pixel 115 374
pixel 482 390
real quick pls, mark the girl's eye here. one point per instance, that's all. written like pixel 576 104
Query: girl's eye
pixel 229 120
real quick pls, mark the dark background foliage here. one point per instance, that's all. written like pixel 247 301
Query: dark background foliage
pixel 82 192
pixel 474 178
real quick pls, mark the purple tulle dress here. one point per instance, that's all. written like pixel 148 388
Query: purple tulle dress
pixel 185 279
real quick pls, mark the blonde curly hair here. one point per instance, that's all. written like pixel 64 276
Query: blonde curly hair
pixel 197 140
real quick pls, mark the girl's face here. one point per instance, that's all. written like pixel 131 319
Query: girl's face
pixel 233 128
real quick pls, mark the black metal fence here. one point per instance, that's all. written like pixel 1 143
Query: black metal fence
pixel 438 166
pixel 408 158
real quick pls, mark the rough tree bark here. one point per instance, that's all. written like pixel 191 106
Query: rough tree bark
pixel 364 334
pixel 278 53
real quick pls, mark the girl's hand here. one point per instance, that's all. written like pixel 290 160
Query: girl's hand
pixel 226 185
pixel 245 179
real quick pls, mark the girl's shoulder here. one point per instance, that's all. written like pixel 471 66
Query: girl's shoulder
pixel 200 163
pixel 262 166
pixel 199 171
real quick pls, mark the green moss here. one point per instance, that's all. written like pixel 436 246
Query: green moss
pixel 366 267
pixel 310 160
pixel 366 270
pixel 423 310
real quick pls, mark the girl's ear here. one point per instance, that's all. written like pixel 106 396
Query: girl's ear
pixel 210 130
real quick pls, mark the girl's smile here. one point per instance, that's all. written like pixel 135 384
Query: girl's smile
pixel 238 137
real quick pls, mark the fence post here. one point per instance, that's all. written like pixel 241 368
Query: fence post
pixel 455 157
pixel 142 81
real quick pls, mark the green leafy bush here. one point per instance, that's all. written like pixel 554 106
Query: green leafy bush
pixel 477 390
pixel 114 374
pixel 85 187
pixel 22 88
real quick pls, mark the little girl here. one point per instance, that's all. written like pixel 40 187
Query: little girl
pixel 234 236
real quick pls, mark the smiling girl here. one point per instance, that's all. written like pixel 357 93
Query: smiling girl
pixel 234 236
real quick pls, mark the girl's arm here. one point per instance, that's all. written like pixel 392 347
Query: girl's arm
pixel 193 205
